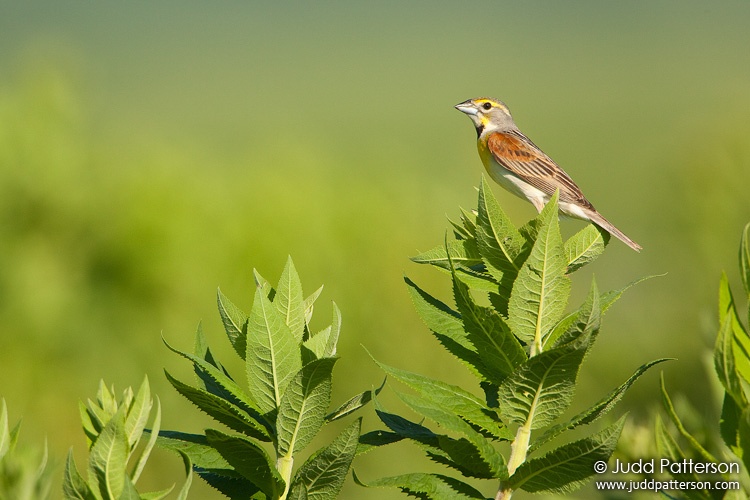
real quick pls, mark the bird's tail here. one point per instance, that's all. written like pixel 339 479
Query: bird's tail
pixel 600 221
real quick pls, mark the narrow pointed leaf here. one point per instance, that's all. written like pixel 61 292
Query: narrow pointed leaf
pixel 461 252
pixel 138 414
pixel 333 338
pixel 566 468
pixel 310 304
pixel 586 322
pixel 542 389
pixel 248 459
pixel 745 259
pixel 585 246
pixel 222 410
pixel 697 447
pixel 273 355
pixel 195 447
pixel 729 423
pixel 592 414
pixel 724 360
pixel 303 406
pixel 146 452
pixel 493 341
pixel 540 292
pixel 427 486
pixel 492 458
pixel 235 323
pixel 354 404
pixel 220 377
pixel 448 328
pixel 289 300
pixel 452 398
pixel 667 447
pixel 74 486
pixel 183 493
pixel 324 473
pixel 499 242
pixel 4 434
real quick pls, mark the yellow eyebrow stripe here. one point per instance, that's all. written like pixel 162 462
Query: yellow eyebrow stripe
pixel 494 103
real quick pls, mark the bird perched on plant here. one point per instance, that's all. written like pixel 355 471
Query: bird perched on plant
pixel 518 165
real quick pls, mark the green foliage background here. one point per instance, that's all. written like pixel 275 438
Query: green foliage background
pixel 149 153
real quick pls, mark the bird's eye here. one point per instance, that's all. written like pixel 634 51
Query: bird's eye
pixel 487 106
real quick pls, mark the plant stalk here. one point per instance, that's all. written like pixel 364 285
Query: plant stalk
pixel 284 466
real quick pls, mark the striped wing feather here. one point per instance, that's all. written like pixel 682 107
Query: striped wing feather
pixel 518 154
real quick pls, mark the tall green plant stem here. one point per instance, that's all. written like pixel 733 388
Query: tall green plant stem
pixel 284 466
pixel 520 446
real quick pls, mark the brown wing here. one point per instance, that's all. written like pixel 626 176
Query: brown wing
pixel 517 153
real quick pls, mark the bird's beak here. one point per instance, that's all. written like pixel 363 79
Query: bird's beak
pixel 467 107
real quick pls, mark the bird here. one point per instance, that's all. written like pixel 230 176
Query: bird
pixel 521 167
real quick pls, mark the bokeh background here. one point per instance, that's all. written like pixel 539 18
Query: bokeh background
pixel 150 152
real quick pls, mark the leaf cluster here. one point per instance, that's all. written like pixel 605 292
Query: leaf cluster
pixel 23 476
pixel 113 431
pixel 288 372
pixel 731 362
pixel 524 349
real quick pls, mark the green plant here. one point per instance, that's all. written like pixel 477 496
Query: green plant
pixel 731 360
pixel 288 371
pixel 113 430
pixel 523 348
pixel 23 474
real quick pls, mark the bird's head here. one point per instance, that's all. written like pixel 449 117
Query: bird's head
pixel 487 114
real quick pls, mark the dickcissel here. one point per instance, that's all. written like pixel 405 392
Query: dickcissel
pixel 518 165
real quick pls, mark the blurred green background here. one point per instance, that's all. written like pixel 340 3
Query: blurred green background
pixel 150 152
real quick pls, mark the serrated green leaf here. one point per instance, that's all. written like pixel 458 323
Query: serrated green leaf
pixel 569 466
pixel 493 341
pixel 491 457
pixel 289 300
pixel 374 439
pixel 222 410
pixel 222 379
pixel 454 399
pixel 447 327
pixel 235 323
pixel 248 459
pixel 195 447
pixel 586 323
pixel 324 473
pixel 426 486
pixel 541 389
pixel 697 447
pixel 233 487
pixel 74 486
pixel 592 414
pixel 585 246
pixel 273 354
pixel 354 404
pixel 498 241
pixel 303 406
pixel 540 292
pixel 461 252
pixel 108 458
